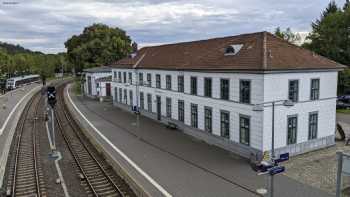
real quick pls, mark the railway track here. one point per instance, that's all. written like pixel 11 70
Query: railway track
pixel 96 174
pixel 26 178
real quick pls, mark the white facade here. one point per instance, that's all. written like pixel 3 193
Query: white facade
pixel 276 88
pixel 263 88
pixel 91 86
pixel 102 88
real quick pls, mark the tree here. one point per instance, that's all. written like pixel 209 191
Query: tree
pixel 97 45
pixel 4 61
pixel 330 37
pixel 16 60
pixel 287 35
pixel 346 5
pixel 331 8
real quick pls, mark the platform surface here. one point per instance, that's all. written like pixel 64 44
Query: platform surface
pixel 182 165
pixel 11 105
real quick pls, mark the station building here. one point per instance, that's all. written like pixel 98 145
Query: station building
pixel 211 89
pixel 97 82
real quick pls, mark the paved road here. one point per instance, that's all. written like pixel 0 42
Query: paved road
pixel 183 166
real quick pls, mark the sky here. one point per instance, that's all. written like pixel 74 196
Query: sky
pixel 44 25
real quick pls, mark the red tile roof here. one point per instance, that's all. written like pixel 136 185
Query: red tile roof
pixel 260 52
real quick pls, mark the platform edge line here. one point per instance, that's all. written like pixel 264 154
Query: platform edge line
pixel 122 154
pixel 14 109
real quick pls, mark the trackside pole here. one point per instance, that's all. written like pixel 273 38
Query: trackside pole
pixel 51 99
pixel 53 130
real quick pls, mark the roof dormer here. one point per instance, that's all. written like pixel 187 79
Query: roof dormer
pixel 233 49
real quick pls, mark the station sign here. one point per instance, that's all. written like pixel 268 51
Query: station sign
pixel 276 170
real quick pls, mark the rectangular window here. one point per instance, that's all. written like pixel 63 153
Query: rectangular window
pixel 168 107
pixel 115 76
pixel 293 90
pixel 125 96
pixel 141 79
pixel 292 125
pixel 131 98
pixel 207 87
pixel 244 130
pixel 158 85
pixel 115 94
pixel 315 89
pixel 225 124
pixel 124 77
pixel 194 85
pixel 244 90
pixel 149 80
pixel 225 89
pixel 119 77
pixel 142 101
pixel 120 95
pixel 313 125
pixel 181 110
pixel 208 119
pixel 149 102
pixel 168 82
pixel 180 83
pixel 194 115
pixel 130 77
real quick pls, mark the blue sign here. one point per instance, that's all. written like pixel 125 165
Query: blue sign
pixel 276 170
pixel 265 166
pixel 283 157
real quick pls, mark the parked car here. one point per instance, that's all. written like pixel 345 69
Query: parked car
pixel 343 102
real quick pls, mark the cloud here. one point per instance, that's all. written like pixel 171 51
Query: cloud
pixel 45 24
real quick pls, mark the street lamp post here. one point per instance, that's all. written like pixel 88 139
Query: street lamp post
pixel 137 83
pixel 260 107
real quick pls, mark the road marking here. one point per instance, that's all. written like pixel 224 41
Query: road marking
pixel 133 164
pixel 14 109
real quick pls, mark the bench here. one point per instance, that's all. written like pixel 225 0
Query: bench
pixel 171 125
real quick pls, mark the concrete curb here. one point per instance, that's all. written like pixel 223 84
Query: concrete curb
pixel 117 166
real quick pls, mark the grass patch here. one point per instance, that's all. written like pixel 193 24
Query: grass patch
pixel 343 111
pixel 77 86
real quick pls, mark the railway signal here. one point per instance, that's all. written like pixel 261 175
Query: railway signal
pixel 51 99
pixel 51 96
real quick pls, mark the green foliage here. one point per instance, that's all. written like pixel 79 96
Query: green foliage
pixel 287 35
pixel 330 37
pixel 77 86
pixel 346 5
pixel 12 49
pixel 97 45
pixel 16 60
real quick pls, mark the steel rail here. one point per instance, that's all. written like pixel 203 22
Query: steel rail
pixel 18 146
pixel 73 127
pixel 74 155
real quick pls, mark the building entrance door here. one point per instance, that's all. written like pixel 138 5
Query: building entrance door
pixel 108 89
pixel 159 111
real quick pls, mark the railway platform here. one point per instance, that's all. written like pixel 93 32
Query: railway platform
pixel 11 106
pixel 165 162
